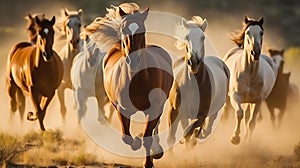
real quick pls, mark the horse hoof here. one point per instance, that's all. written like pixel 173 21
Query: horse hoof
pixel 235 140
pixel 137 143
pixel 30 116
pixel 148 165
pixel 157 153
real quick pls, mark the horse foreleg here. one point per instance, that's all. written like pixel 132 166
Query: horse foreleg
pixel 239 114
pixel 272 114
pixel 147 143
pixel 252 122
pixel 136 143
pixel 61 99
pixel 173 125
pixel 280 116
pixel 36 100
pixel 101 101
pixel 44 104
pixel 80 103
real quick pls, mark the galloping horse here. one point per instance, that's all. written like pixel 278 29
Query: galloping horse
pixel 71 24
pixel 252 75
pixel 278 96
pixel 137 78
pixel 201 83
pixel 36 69
pixel 99 37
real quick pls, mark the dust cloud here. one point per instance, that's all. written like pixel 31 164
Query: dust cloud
pixel 268 146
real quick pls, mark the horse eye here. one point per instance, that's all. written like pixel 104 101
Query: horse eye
pixel 261 33
pixel 79 25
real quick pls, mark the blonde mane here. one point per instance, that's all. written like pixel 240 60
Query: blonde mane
pixel 182 31
pixel 104 31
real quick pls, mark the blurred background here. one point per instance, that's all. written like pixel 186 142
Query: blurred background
pixel 270 147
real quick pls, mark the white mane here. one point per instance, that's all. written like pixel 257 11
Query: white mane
pixel 181 31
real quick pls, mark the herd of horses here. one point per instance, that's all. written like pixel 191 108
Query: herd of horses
pixel 111 61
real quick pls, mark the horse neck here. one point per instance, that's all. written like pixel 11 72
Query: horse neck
pixel 248 65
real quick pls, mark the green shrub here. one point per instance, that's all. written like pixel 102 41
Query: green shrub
pixel 10 147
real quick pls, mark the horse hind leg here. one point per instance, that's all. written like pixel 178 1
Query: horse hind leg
pixel 12 90
pixel 21 103
pixel 101 101
pixel 280 116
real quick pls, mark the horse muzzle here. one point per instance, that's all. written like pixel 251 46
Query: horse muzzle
pixel 255 55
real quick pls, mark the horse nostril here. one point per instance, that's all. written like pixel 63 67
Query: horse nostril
pixel 45 54
pixel 252 52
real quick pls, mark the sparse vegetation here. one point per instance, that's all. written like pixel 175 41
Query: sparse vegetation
pixel 44 149
pixel 297 151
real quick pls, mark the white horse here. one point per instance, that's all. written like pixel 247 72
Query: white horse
pixel 70 27
pixel 201 84
pixel 87 70
pixel 252 75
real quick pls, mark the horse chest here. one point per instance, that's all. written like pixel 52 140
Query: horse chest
pixel 249 88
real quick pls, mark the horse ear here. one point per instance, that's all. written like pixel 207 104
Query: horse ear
pixel 121 12
pixel 28 17
pixel 79 12
pixel 145 14
pixel 261 21
pixel 246 20
pixel 52 21
pixel 37 20
pixel 183 22
pixel 204 25
pixel 66 12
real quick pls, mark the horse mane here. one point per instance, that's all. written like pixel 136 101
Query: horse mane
pixel 238 35
pixel 104 31
pixel 181 31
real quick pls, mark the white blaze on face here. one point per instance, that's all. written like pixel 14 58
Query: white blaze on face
pixel 46 31
pixel 133 27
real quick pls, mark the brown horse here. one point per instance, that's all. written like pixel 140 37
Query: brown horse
pixel 279 93
pixel 35 69
pixel 138 78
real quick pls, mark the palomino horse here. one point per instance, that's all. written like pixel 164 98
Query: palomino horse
pixel 201 83
pixel 137 78
pixel 278 96
pixel 252 75
pixel 71 24
pixel 36 69
pixel 87 65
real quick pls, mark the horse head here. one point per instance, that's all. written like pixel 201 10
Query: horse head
pixel 132 34
pixel 71 26
pixel 253 37
pixel 31 25
pixel 45 36
pixel 274 53
pixel 192 33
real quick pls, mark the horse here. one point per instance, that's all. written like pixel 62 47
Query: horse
pixel 31 26
pixel 252 75
pixel 71 24
pixel 200 86
pixel 278 96
pixel 87 66
pixel 35 69
pixel 138 78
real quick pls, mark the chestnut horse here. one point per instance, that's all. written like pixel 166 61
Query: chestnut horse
pixel 138 78
pixel 35 69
